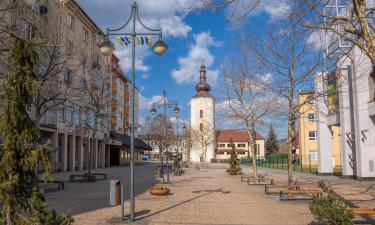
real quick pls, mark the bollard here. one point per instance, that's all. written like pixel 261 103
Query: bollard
pixel 122 203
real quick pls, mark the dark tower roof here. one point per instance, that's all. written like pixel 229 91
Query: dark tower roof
pixel 202 88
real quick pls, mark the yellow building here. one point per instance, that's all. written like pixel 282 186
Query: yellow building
pixel 308 132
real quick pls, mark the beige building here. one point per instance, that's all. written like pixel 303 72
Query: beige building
pixel 79 120
pixel 240 139
pixel 308 132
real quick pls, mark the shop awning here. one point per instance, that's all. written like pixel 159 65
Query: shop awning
pixel 139 144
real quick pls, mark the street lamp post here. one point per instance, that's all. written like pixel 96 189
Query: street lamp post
pixel 164 103
pixel 106 48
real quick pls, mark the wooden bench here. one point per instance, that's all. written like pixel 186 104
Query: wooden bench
pixel 362 211
pixel 259 181
pixel 285 194
pixel 85 177
pixel 102 175
pixel 269 187
pixel 60 184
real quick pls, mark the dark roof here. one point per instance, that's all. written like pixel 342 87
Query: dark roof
pixel 125 139
pixel 235 136
pixel 203 88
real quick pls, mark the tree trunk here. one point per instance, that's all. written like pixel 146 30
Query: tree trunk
pixel 290 146
pixel 250 131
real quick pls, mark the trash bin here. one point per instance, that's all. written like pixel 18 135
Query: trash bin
pixel 115 192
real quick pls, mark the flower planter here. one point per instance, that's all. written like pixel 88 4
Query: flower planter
pixel 159 191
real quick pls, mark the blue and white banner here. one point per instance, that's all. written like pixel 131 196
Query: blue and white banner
pixel 140 41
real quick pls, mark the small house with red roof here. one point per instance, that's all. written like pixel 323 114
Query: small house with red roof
pixel 240 139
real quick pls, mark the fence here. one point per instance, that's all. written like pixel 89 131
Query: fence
pixel 299 163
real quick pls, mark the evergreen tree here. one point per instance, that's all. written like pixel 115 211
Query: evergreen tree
pixel 271 145
pixel 233 160
pixel 21 200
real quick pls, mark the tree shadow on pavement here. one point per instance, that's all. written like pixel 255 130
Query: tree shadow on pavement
pixel 207 192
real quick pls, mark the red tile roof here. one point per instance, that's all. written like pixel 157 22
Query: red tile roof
pixel 235 136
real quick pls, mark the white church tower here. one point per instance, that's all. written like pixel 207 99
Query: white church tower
pixel 202 119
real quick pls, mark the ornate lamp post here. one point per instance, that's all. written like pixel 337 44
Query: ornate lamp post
pixel 106 48
pixel 165 104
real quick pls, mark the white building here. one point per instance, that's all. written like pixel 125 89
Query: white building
pixel 355 115
pixel 202 106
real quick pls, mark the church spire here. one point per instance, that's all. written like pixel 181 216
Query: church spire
pixel 202 88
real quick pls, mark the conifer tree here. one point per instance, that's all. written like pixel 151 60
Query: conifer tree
pixel 21 200
pixel 271 145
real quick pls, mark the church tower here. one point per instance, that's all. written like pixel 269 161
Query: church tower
pixel 202 119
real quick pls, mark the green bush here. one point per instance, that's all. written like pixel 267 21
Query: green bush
pixel 330 208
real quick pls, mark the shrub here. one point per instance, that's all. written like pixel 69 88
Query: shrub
pixel 330 208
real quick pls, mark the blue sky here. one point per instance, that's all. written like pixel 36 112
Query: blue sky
pixel 192 37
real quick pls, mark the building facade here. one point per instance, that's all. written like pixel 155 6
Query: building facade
pixel 78 123
pixel 354 113
pixel 240 140
pixel 202 119
pixel 310 124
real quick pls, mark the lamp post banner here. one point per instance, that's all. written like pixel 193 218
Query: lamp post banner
pixel 140 40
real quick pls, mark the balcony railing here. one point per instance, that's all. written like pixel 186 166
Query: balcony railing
pixel 49 119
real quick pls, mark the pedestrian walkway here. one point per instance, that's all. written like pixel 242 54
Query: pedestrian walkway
pixel 208 196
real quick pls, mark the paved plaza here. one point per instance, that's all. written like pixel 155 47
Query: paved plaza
pixel 208 196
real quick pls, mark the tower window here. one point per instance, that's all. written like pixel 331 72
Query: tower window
pixel 201 113
pixel 201 126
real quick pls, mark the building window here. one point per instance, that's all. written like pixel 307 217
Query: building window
pixel 61 113
pixel 310 100
pixel 201 113
pixel 82 85
pixel 313 136
pixel 222 145
pixel 70 22
pixel 257 149
pixel 85 35
pixel 311 117
pixel 313 155
pixel 68 75
pixel 201 126
pixel 241 145
pixel 69 47
pixel 230 145
pixel 25 29
pixel 97 39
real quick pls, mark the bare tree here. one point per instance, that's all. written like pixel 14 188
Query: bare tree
pixel 353 22
pixel 203 137
pixel 187 143
pixel 246 100
pixel 287 55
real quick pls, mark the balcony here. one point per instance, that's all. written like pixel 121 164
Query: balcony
pixel 371 109
pixel 333 118
pixel 49 119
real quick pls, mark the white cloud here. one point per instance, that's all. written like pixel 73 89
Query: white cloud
pixel 146 103
pixel 276 9
pixel 317 40
pixel 188 71
pixel 167 14
pixel 145 76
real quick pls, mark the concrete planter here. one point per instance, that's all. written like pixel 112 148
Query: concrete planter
pixel 159 191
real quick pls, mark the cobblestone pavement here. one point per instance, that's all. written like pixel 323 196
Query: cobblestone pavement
pixel 208 196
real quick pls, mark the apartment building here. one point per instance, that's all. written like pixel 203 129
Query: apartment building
pixel 77 123
pixel 354 112
pixel 240 140
pixel 309 127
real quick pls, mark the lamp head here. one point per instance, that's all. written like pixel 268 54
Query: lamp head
pixel 176 109
pixel 160 47
pixel 153 110
pixel 107 47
